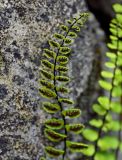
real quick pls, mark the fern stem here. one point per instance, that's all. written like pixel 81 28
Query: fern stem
pixel 110 99
pixel 57 97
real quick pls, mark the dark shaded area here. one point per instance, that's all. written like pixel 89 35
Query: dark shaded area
pixel 3 91
pixel 3 145
pixel 102 9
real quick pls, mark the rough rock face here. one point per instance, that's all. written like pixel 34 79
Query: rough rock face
pixel 25 26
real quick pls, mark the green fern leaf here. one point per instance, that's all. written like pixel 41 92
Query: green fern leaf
pixel 110 64
pixel 104 102
pixel 117 7
pixel 54 136
pixel 62 78
pixel 113 125
pixel 64 28
pixel 90 134
pixel 105 85
pixel 72 34
pixel 75 128
pixel 72 113
pixel 54 123
pixel 99 109
pixel 61 68
pixel 54 44
pixel 96 123
pixel 110 55
pixel 62 89
pixel 62 59
pixel 103 155
pixel 117 91
pixel 80 23
pixel 49 54
pixel 46 84
pixel 52 152
pixel 65 50
pixel 116 107
pixel 69 21
pixel 59 36
pixel 85 15
pixel 107 74
pixel 65 100
pixel 89 151
pixel 104 145
pixel 47 74
pixel 68 41
pixel 47 93
pixel 47 64
pixel 51 107
pixel 76 146
pixel 76 28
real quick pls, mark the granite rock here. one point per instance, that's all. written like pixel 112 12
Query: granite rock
pixel 25 26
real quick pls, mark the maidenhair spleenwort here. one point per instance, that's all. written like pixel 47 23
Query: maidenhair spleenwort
pixel 54 78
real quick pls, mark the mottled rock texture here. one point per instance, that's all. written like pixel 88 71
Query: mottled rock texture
pixel 25 26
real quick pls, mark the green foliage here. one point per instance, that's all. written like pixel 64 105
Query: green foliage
pixel 54 136
pixel 52 152
pixel 76 146
pixel 51 107
pixel 104 131
pixel 72 113
pixel 54 77
pixel 54 123
pixel 75 128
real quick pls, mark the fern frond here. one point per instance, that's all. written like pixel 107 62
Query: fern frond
pixel 54 78
pixel 102 127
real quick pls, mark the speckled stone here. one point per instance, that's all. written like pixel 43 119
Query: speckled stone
pixel 25 26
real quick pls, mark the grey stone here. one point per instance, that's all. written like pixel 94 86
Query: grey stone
pixel 25 27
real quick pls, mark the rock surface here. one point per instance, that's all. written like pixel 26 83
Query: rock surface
pixel 25 26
